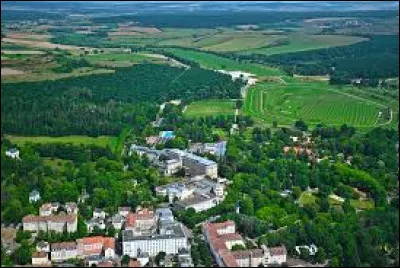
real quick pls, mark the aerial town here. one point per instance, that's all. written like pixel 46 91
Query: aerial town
pixel 200 134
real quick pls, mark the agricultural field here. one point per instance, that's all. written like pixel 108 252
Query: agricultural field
pixel 210 107
pixel 121 59
pixel 313 102
pixel 210 61
pixel 303 42
pixel 102 141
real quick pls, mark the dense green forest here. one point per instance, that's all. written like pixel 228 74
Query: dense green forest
pixel 103 104
pixel 373 59
pixel 225 19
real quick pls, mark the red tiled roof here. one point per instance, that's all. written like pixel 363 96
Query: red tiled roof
pixel 63 245
pixel 133 263
pixel 92 240
pixel 278 250
pixel 105 264
pixel 228 258
pixel 230 237
pixel 109 242
pixel 39 255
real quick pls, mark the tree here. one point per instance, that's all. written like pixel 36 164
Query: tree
pixel 160 256
pixel 22 235
pixel 274 124
pixel 125 260
pixel 23 254
pixel 299 124
pixel 238 247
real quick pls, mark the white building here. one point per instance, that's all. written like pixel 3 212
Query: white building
pixel 34 196
pixel 13 153
pixel 40 258
pixel 57 223
pixel 169 237
pixel 63 251
pixel 99 214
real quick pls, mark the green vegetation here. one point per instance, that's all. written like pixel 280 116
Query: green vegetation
pixel 314 102
pixel 104 104
pixel 211 61
pixel 303 42
pixel 210 107
pixel 102 141
pixel 307 198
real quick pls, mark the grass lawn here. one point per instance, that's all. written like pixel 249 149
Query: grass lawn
pixel 103 141
pixel 307 198
pixel 362 203
pixel 210 107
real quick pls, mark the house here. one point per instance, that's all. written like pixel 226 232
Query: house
pixel 143 258
pixel 61 252
pixel 221 237
pixel 124 211
pixel 71 208
pixel 312 249
pixel 48 209
pixel 43 246
pixel 13 153
pixel 57 223
pixel 40 258
pixel 152 140
pixel 184 258
pixel 34 196
pixel 94 260
pixel 167 235
pixel 96 246
pixel 117 221
pixel 105 264
pixel 95 222
pixel 143 221
pixel 134 263
pixel 99 214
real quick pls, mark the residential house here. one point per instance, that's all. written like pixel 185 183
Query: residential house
pixel 143 221
pixel 117 221
pixel 34 196
pixel 95 222
pixel 124 211
pixel 63 251
pixel 96 246
pixel 43 246
pixel 13 153
pixel 71 208
pixel 57 223
pixel 99 213
pixel 40 258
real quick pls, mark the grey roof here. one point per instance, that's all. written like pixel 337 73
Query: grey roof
pixel 12 150
pixel 177 232
pixel 195 199
pixel 34 192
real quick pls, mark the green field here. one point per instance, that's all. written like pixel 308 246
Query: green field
pixel 120 58
pixel 210 61
pixel 210 107
pixel 103 141
pixel 313 102
pixel 303 42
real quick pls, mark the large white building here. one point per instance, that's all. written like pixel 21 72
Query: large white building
pixel 199 193
pixel 57 223
pixel 193 164
pixel 169 238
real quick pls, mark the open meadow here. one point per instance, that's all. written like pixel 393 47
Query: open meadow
pixel 210 107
